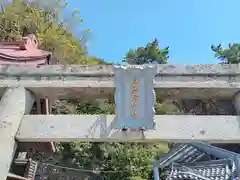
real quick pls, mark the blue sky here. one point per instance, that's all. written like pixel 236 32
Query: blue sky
pixel 189 27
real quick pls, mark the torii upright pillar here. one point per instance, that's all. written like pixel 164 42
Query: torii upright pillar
pixel 15 102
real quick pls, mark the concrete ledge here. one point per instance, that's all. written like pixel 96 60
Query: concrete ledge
pixel 76 81
pixel 92 89
pixel 98 128
pixel 107 70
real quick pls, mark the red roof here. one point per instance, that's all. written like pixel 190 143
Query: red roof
pixel 25 51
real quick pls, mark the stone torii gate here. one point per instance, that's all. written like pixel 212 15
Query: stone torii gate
pixel 136 89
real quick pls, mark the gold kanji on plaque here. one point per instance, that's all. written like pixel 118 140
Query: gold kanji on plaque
pixel 135 97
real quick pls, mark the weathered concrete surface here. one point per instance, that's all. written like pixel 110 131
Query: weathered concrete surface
pixel 107 70
pixel 14 104
pixel 99 128
pixel 75 81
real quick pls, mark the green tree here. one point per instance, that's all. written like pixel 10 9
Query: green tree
pixel 229 55
pixel 128 161
pixel 19 18
pixel 151 53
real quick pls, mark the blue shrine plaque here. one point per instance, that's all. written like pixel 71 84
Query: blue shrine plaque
pixel 135 96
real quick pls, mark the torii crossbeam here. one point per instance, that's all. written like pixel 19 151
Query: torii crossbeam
pixel 20 85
